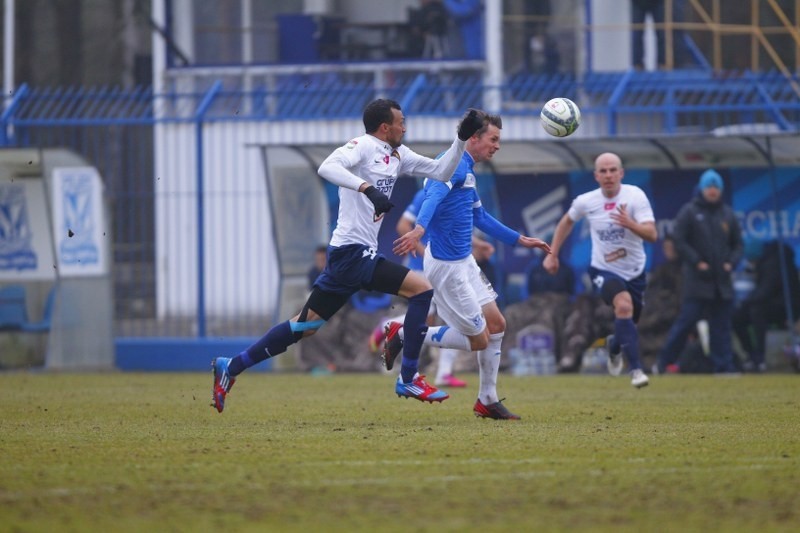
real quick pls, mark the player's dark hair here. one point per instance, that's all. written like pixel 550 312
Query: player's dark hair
pixel 490 120
pixel 379 112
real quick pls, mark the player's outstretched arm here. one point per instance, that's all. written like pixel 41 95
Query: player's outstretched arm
pixel 442 169
pixel 563 229
pixel 533 242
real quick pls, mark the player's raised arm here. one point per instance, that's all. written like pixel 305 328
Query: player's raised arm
pixel 442 169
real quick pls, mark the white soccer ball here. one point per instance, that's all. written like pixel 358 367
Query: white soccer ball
pixel 560 117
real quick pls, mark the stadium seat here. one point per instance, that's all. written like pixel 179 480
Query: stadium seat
pixel 42 325
pixel 12 308
pixel 14 311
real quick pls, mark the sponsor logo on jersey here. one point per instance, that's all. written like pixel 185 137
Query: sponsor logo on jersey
pixel 616 254
pixel 608 206
pixel 612 233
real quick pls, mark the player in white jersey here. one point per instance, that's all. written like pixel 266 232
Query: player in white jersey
pixel 464 298
pixel 365 169
pixel 620 220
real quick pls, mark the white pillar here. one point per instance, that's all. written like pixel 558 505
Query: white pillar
pixel 493 74
pixel 159 47
pixel 8 52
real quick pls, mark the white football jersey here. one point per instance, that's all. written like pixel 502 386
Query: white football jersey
pixel 379 165
pixel 614 248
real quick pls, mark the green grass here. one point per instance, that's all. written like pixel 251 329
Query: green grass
pixel 136 452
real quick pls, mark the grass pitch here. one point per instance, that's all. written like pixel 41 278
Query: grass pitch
pixel 145 452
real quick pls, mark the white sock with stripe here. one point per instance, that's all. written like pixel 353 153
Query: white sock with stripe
pixel 489 365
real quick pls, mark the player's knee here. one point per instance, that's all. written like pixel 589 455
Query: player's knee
pixel 496 324
pixel 623 307
pixel 414 284
pixel 479 342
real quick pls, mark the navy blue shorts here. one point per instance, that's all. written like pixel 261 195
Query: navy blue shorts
pixel 348 268
pixel 607 285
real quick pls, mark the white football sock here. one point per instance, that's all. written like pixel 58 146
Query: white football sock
pixel 447 356
pixel 443 337
pixel 489 365
pixel 446 337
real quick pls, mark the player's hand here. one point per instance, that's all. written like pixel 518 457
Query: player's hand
pixel 550 263
pixel 409 242
pixel 533 242
pixel 472 122
pixel 379 200
pixel 621 216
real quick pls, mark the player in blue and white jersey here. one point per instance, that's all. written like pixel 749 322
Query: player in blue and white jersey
pixel 464 298
pixel 365 169
pixel 620 220
pixel 445 376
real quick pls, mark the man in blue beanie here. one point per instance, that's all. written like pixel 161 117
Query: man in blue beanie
pixel 709 241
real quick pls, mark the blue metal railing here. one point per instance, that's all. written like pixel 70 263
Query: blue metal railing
pixel 113 129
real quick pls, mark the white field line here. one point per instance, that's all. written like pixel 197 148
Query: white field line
pixel 59 492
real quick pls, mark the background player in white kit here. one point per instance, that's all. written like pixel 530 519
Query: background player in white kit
pixel 620 220
pixel 365 169
pixel 464 297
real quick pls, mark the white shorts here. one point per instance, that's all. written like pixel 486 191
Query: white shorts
pixel 460 290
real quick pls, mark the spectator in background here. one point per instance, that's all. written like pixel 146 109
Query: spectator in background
pixel 709 242
pixel 541 52
pixel 765 304
pixel 663 296
pixel 428 29
pixel 320 257
pixel 468 14
pixel 639 10
pixel 482 251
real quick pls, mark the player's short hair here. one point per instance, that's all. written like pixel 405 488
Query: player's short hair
pixel 489 120
pixel 379 112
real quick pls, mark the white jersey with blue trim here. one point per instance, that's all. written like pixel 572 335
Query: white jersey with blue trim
pixel 614 248
pixel 379 165
pixel 451 226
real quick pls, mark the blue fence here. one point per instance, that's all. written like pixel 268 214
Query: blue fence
pixel 114 130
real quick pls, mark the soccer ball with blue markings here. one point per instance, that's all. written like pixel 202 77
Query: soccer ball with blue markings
pixel 560 117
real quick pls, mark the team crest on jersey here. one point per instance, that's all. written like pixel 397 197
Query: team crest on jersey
pixel 608 206
pixel 351 144
pixel 476 320
pixel 469 181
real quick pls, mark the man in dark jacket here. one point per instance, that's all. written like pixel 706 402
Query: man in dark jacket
pixel 709 242
pixel 766 304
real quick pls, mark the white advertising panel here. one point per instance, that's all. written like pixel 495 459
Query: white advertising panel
pixel 79 222
pixel 25 247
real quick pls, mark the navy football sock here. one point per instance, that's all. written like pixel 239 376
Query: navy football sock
pixel 273 343
pixel 628 339
pixel 414 329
